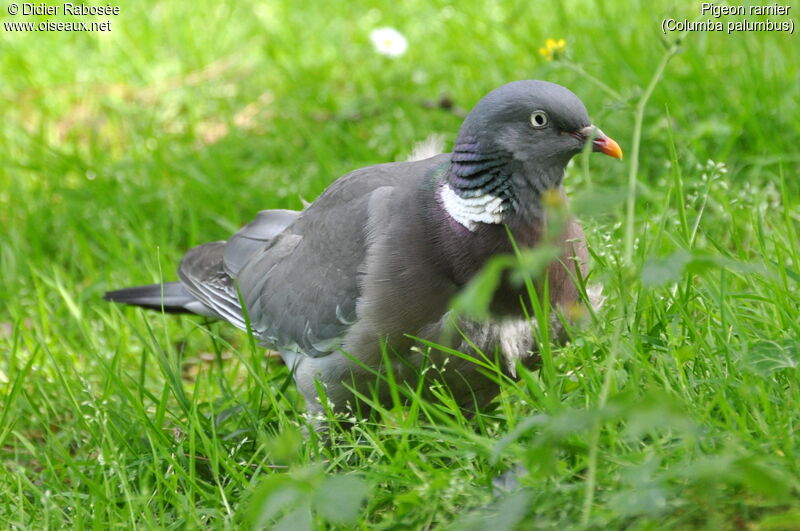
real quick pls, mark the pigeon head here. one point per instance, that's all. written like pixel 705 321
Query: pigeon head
pixel 514 145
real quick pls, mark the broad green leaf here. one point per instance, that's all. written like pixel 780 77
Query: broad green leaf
pixel 339 498
pixel 660 271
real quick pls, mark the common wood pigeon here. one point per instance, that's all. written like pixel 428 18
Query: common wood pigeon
pixel 374 262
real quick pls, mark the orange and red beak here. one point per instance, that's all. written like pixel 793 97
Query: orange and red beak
pixel 600 142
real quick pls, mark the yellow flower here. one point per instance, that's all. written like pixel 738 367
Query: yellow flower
pixel 553 49
pixel 576 312
pixel 553 199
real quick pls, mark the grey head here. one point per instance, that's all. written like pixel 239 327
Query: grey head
pixel 517 141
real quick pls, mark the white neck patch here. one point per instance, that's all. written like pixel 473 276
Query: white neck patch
pixel 486 208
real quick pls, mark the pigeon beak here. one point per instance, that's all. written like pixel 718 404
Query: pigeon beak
pixel 600 142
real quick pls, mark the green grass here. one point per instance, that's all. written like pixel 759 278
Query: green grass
pixel 676 406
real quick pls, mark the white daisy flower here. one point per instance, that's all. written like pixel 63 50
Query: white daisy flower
pixel 388 42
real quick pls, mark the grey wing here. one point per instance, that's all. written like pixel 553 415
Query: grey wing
pixel 254 236
pixel 202 272
pixel 302 287
pixel 208 271
pixel 304 299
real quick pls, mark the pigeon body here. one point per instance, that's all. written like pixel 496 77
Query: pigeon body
pixel 378 257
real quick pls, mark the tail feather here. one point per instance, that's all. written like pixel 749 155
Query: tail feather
pixel 170 297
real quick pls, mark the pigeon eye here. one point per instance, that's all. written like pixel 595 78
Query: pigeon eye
pixel 539 119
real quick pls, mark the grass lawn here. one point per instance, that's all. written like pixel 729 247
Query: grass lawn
pixel 676 406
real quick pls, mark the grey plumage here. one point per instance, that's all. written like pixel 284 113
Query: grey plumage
pixel 380 254
pixel 172 297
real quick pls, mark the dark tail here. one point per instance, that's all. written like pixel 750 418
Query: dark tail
pixel 171 297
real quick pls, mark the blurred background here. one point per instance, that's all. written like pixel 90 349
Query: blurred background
pixel 189 116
